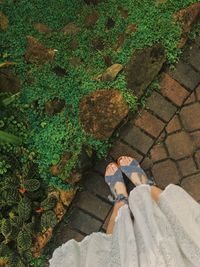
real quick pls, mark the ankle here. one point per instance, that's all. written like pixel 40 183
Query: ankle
pixel 119 204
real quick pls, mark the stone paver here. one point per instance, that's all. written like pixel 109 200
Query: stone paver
pixel 158 152
pixel 197 158
pixel 121 148
pixel 174 125
pixel 173 90
pixel 164 137
pixel 190 116
pixel 186 75
pixel 179 145
pixel 93 205
pixel 187 166
pixel 149 123
pixel 95 184
pixel 191 99
pixel 192 186
pixel 136 138
pixel 196 138
pixel 84 222
pixel 160 106
pixel 165 173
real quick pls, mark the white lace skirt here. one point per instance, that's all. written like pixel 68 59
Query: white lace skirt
pixel 163 234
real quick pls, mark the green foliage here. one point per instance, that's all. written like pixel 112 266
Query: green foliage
pixel 31 185
pixel 24 240
pixel 48 203
pixel 24 209
pixel 48 219
pixel 5 227
pixel 4 166
pixel 19 220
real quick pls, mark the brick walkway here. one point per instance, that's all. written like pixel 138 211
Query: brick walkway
pixel 164 137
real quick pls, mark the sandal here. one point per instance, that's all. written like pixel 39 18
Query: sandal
pixel 111 180
pixel 134 167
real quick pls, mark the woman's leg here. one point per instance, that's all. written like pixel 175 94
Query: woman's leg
pixel 155 192
pixel 120 188
pixel 111 223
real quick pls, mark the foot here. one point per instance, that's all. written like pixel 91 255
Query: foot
pixel 119 186
pixel 136 178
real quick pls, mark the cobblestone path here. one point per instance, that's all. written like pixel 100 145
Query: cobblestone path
pixel 164 137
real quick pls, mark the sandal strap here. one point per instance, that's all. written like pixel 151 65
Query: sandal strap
pixel 111 180
pixel 118 198
pixel 131 168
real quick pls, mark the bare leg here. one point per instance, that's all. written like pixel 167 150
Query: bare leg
pixel 120 189
pixel 111 223
pixel 155 192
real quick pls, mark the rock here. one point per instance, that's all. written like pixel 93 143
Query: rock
pixel 98 43
pixel 42 28
pixel 60 71
pixel 70 29
pixel 3 21
pixel 9 82
pixel 58 168
pixel 187 18
pixel 131 28
pixel 91 19
pixel 123 12
pixel 37 53
pixel 54 106
pixel 110 23
pixel 111 73
pixel 120 41
pixel 75 61
pixel 73 45
pixel 107 60
pixel 101 112
pixel 143 67
pixel 94 2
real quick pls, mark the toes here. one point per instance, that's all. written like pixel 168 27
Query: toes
pixel 125 160
pixel 111 169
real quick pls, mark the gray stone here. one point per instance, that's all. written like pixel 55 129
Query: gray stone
pixel 192 56
pixel 83 222
pixel 143 67
pixel 92 204
pixel 95 183
pixel 185 75
pixel 136 138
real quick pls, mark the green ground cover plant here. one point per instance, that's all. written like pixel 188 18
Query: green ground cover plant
pixel 50 136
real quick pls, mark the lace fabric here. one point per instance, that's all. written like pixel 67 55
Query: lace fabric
pixel 164 234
